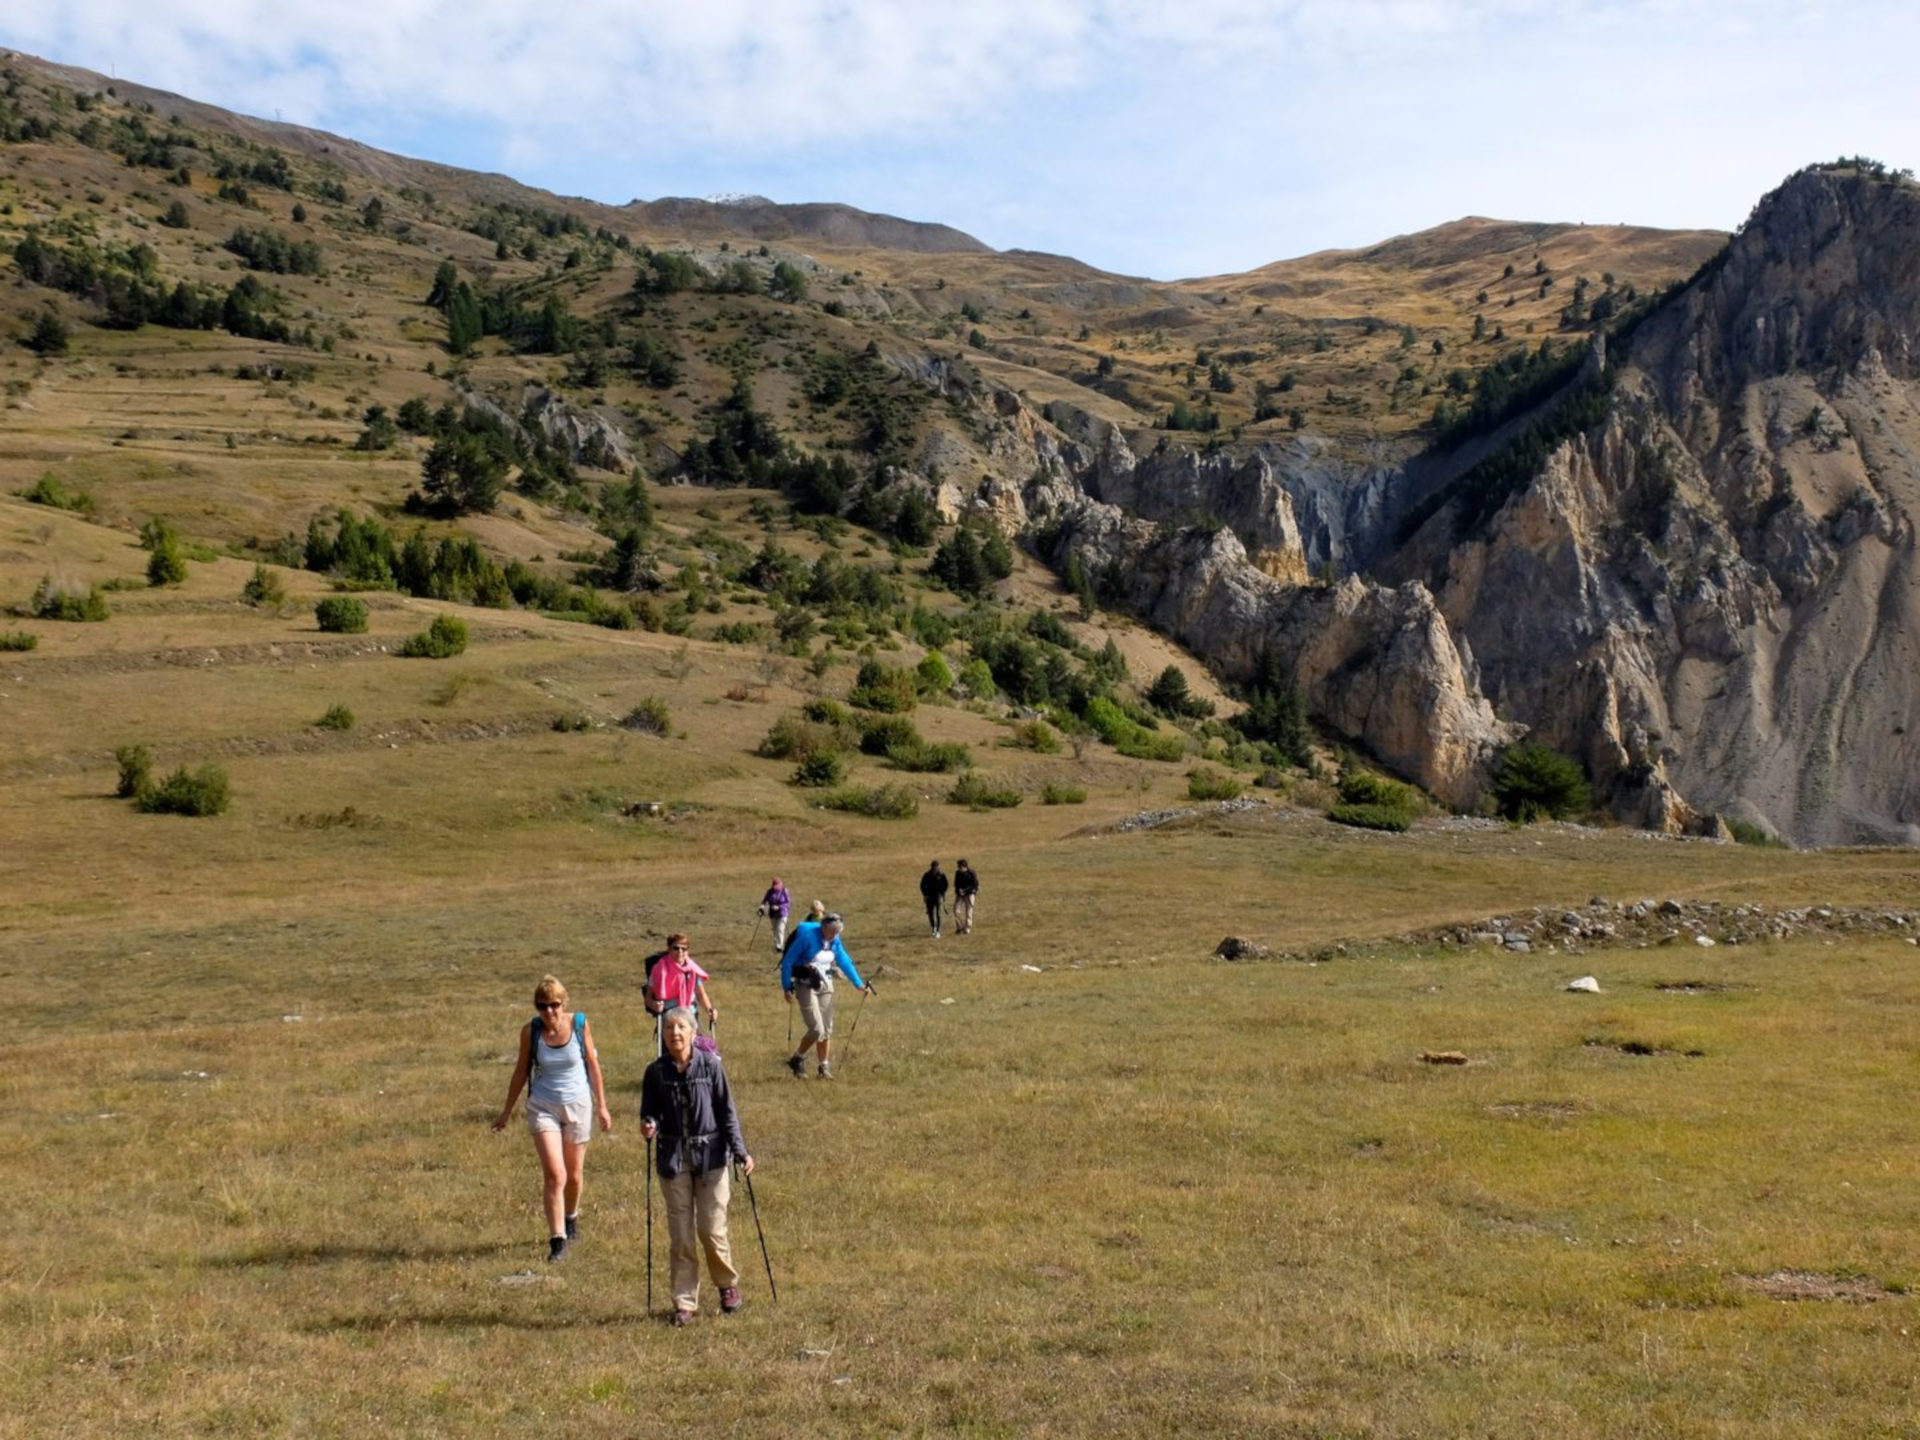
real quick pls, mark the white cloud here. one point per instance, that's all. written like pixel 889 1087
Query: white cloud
pixel 1151 136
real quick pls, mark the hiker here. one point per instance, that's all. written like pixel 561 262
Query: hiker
pixel 933 890
pixel 966 885
pixel 675 980
pixel 684 1100
pixel 566 1090
pixel 808 967
pixel 816 912
pixel 776 905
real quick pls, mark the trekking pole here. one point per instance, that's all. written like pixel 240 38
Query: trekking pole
pixel 649 1229
pixel 758 917
pixel 846 1057
pixel 765 1258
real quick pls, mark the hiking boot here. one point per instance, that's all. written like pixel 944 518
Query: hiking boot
pixel 556 1249
pixel 798 1065
pixel 826 1071
pixel 729 1299
pixel 681 1317
pixel 573 1228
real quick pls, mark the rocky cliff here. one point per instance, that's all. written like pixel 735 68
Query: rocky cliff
pixel 1715 584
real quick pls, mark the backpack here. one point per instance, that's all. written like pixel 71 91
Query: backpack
pixel 533 1042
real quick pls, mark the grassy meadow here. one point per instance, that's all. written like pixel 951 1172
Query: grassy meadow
pixel 251 1186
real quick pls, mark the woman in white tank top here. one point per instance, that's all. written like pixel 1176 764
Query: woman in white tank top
pixel 557 1054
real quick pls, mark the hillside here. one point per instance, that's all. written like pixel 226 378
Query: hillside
pixel 246 310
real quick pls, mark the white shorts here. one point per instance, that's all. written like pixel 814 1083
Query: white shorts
pixel 573 1119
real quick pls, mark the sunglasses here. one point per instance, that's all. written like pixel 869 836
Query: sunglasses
pixel 547 1004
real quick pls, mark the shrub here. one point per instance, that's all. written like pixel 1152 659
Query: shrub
pixel 922 758
pixel 1364 787
pixel 56 601
pixel 1747 834
pixel 880 735
pixel 263 588
pixel 341 615
pixel 649 717
pixel 166 565
pixel 1035 735
pixel 1203 784
pixel 1371 817
pixel 1533 782
pixel 18 640
pixel 48 490
pixel 136 770
pixel 1139 744
pixel 1055 793
pixel 572 722
pixel 740 632
pixel 792 738
pixel 828 712
pixel 933 673
pixel 883 802
pixel 186 792
pixel 446 637
pixel 338 717
pixel 820 769
pixel 885 688
pixel 980 793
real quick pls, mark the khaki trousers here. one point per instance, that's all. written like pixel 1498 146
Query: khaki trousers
pixel 816 1008
pixel 696 1221
pixel 963 913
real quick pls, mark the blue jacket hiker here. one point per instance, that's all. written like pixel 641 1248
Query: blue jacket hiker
pixel 812 955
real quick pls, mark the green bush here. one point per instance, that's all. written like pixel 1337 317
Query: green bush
pixel 828 712
pixel 1533 782
pixel 882 733
pixel 1055 793
pixel 186 792
pixel 53 601
pixel 48 490
pixel 1371 817
pixel 1365 787
pixel 819 770
pixel 649 717
pixel 1034 735
pixel 792 738
pixel 338 717
pixel 922 758
pixel 976 681
pixel 18 640
pixel 572 722
pixel 1141 744
pixel 740 632
pixel 341 615
pixel 1205 784
pixel 263 588
pixel 443 639
pixel 136 770
pixel 166 565
pixel 934 675
pixel 884 687
pixel 883 802
pixel 1749 834
pixel 980 793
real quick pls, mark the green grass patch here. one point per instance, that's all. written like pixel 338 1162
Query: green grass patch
pixel 881 802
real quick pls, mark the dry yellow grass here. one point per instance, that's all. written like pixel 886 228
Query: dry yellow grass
pixel 1136 1192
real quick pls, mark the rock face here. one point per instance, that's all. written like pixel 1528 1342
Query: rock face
pixel 1712 594
pixel 1377 663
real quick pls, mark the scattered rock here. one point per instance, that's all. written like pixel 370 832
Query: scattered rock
pixel 1809 1285
pixel 1234 948
pixel 1031 969
pixel 1586 985
pixel 1705 942
pixel 1518 944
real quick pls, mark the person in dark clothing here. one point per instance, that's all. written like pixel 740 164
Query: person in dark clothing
pixel 933 890
pixel 686 1103
pixel 966 885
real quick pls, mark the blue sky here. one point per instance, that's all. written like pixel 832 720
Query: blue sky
pixel 1154 139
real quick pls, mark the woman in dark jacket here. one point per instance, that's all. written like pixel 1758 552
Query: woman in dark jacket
pixel 686 1103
